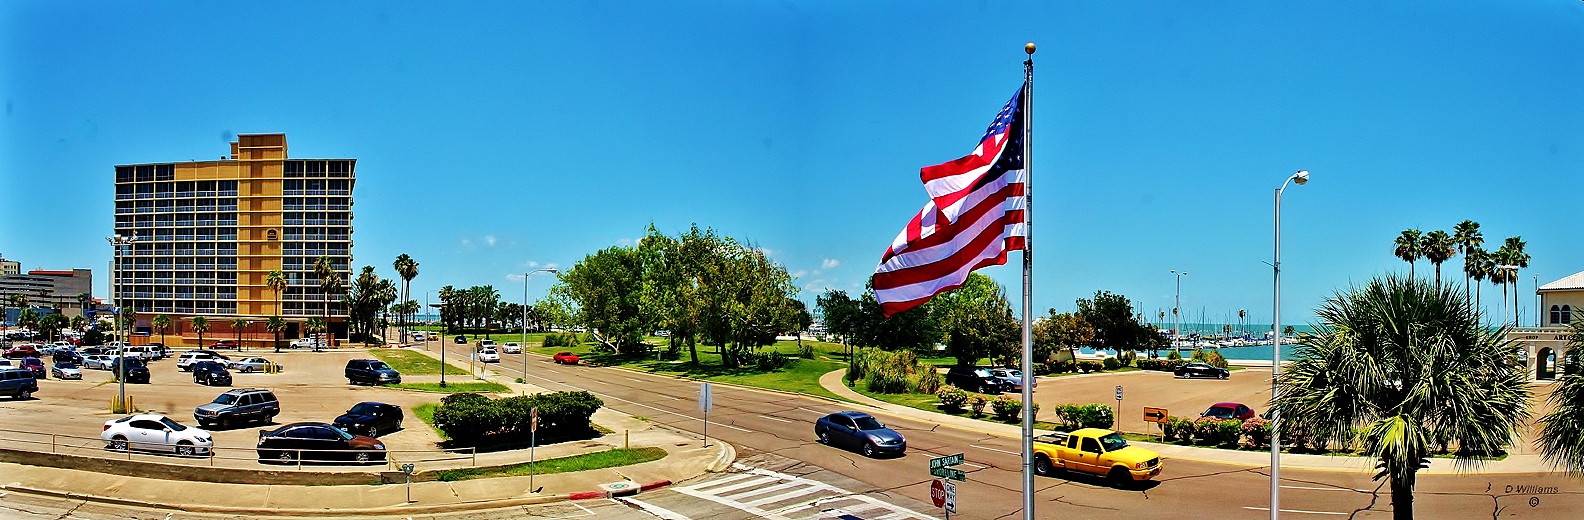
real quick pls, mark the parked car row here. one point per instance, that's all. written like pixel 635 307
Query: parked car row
pixel 306 441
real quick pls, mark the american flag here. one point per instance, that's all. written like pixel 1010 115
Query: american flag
pixel 974 217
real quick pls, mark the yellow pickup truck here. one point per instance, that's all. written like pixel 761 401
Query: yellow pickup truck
pixel 1096 452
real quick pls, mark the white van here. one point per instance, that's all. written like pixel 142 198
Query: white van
pixel 146 352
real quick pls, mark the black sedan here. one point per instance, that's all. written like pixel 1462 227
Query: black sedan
pixel 1201 370
pixel 133 369
pixel 861 431
pixel 210 373
pixel 371 419
pixel 317 441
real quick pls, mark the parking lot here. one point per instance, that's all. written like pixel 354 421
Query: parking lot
pixel 310 388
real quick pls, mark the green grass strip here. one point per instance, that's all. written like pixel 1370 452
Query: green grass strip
pixel 425 412
pixel 605 459
pixel 454 388
pixel 413 363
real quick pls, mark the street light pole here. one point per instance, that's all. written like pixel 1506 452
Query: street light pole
pixel 1301 177
pixel 1177 310
pixel 116 241
pixel 524 339
pixel 443 365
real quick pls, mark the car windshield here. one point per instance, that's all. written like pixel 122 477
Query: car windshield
pixel 364 409
pixel 172 424
pixel 1219 412
pixel 379 366
pixel 982 373
pixel 1113 442
pixel 65 365
pixel 868 423
pixel 226 399
pixel 344 435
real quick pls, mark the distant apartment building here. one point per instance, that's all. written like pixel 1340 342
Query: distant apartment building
pixel 66 291
pixel 9 267
pixel 209 233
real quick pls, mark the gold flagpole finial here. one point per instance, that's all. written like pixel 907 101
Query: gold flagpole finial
pixel 1029 48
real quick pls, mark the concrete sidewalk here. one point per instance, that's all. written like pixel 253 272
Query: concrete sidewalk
pixel 1527 463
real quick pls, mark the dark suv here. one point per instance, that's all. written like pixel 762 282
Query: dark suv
pixel 210 373
pixel 975 379
pixel 235 406
pixel 371 372
pixel 133 368
pixel 18 383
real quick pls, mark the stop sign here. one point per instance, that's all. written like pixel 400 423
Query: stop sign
pixel 938 493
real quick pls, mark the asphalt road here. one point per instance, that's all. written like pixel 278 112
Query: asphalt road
pixel 782 425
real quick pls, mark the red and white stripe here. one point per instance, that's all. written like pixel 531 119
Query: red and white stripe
pixel 948 183
pixel 932 255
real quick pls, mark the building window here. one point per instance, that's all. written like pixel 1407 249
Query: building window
pixel 1567 314
pixel 1556 315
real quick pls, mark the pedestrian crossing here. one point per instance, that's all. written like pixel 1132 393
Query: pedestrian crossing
pixel 779 496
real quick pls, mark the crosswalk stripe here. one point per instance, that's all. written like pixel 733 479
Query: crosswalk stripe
pixel 783 497
pixel 724 490
pixel 764 490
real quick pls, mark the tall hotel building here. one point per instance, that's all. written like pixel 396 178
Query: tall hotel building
pixel 210 232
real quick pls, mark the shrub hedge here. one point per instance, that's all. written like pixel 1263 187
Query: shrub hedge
pixel 1093 415
pixel 472 417
pixel 952 398
pixel 562 339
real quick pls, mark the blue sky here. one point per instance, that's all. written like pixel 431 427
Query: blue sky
pixel 495 138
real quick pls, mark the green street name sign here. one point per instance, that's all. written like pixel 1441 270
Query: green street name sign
pixel 954 474
pixel 949 460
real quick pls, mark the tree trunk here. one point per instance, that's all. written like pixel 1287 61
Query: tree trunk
pixel 1438 275
pixel 1402 501
pixel 692 344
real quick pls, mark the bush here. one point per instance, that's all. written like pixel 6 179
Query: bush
pixel 471 417
pixel 891 372
pixel 766 359
pixel 1174 355
pixel 1177 429
pixel 1214 358
pixel 806 351
pixel 1111 363
pixel 888 380
pixel 1087 366
pixel 1041 369
pixel 561 339
pixel 1127 357
pixel 978 402
pixel 1149 364
pixel 1005 407
pixel 928 382
pixel 952 398
pixel 1060 366
pixel 1230 431
pixel 1206 430
pixel 1258 432
pixel 1093 415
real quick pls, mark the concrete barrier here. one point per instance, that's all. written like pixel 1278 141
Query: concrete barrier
pixel 146 469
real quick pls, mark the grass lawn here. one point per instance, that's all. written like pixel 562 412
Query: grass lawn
pixel 605 459
pixel 455 388
pixel 1244 447
pixel 413 363
pixel 425 412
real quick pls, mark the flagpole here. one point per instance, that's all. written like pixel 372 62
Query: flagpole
pixel 1028 283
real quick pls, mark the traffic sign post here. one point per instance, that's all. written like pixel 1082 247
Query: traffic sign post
pixel 944 492
pixel 533 441
pixel 949 460
pixel 951 473
pixel 1118 414
pixel 706 401
pixel 1157 416
pixel 951 498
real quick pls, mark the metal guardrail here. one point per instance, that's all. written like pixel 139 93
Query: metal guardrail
pixel 96 447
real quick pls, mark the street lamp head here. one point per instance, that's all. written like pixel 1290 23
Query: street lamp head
pixel 552 270
pixel 1302 177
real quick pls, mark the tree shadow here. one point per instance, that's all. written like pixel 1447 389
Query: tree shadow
pixel 518 441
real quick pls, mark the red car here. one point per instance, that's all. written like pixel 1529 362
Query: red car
pixel 225 343
pixel 21 351
pixel 565 358
pixel 1229 410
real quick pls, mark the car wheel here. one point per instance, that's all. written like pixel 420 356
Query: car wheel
pixel 117 443
pixel 373 431
pixel 285 456
pixel 1043 466
pixel 25 394
pixel 397 426
pixel 184 449
pixel 1120 478
pixel 361 456
pixel 1224 375
pixel 225 423
pixel 868 449
pixel 824 437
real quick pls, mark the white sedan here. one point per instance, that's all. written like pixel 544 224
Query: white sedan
pixel 488 355
pixel 99 361
pixel 155 432
pixel 511 348
pixel 253 364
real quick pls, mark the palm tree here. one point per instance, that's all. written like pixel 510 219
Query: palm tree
pixel 1242 315
pixel 161 323
pixel 1399 365
pixel 200 325
pixel 83 301
pixel 53 323
pixel 1474 260
pixel 406 269
pixel 28 319
pixel 1561 438
pixel 1515 257
pixel 1437 246
pixel 1408 247
pixel 329 282
pixel 275 325
pixel 239 325
pixel 1466 235
pixel 276 281
pixel 315 325
pixel 78 322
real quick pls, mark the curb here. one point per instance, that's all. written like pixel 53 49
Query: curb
pixel 585 495
pixel 391 510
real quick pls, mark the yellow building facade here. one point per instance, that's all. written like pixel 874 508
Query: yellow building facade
pixel 210 232
pixel 1545 347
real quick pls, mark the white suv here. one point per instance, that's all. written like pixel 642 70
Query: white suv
pixel 484 344
pixel 511 348
pixel 186 360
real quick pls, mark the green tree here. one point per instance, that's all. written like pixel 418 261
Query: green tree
pixel 840 314
pixel 917 329
pixel 239 325
pixel 162 323
pixel 1407 247
pixel 200 325
pixel 745 296
pixel 1399 364
pixel 316 325
pixel 1561 439
pixel 1060 331
pixel 276 281
pixel 1437 247
pixel 275 325
pixel 28 318
pixel 1474 261
pixel 977 320
pixel 330 283
pixel 1112 317
pixel 606 286
pixel 407 270
pixel 1466 235
pixel 1512 254
pixel 52 324
pixel 78 322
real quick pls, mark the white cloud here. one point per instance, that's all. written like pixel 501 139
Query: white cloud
pixel 830 263
pixel 489 239
pixel 624 242
pixel 799 273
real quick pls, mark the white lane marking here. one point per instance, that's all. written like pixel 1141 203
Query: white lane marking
pixel 733 427
pixel 775 418
pixel 669 397
pixel 811 411
pixel 1296 511
pixel 585 510
pixel 662 513
pixel 725 490
pixel 811 488
pixel 634 380
pixel 553 370
pixel 765 491
pixel 995 449
pixel 1326 489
